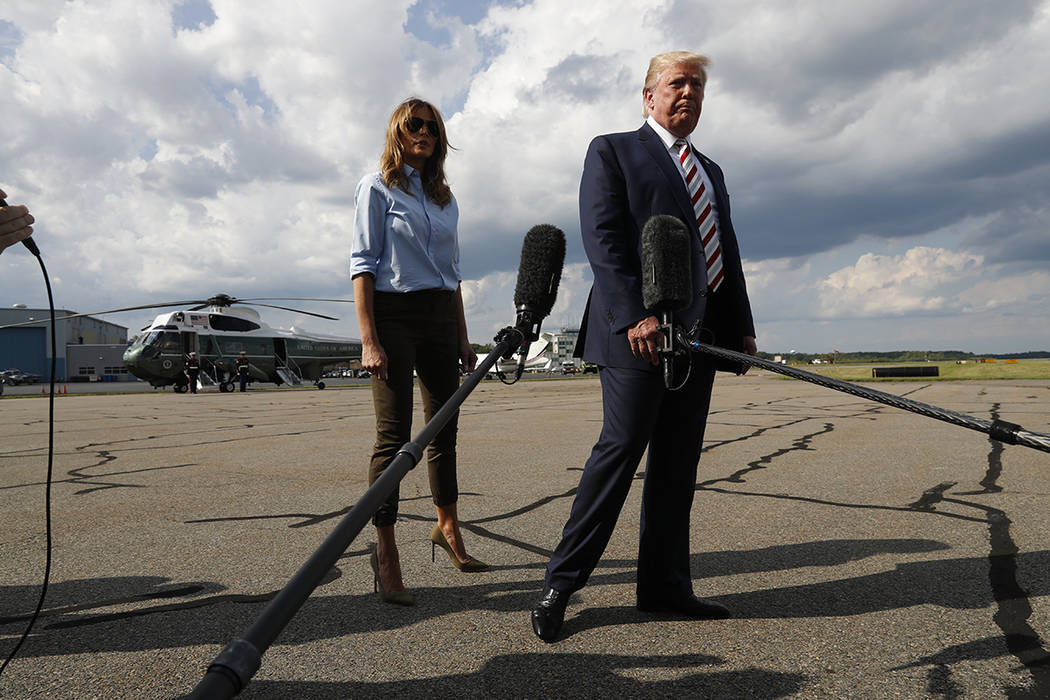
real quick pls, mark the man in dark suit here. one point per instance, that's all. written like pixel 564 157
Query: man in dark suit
pixel 628 178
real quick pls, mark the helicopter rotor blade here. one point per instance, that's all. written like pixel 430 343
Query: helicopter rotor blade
pixel 253 299
pixel 109 311
pixel 298 311
pixel 200 304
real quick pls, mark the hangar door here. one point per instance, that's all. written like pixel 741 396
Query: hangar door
pixel 25 349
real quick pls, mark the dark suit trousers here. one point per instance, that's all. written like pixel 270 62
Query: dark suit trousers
pixel 638 411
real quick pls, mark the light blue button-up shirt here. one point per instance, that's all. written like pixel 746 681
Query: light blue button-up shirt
pixel 402 238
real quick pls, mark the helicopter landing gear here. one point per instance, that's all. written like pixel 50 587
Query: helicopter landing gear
pixel 181 388
pixel 320 385
pixel 225 387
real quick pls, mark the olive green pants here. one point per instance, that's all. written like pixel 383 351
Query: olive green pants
pixel 418 331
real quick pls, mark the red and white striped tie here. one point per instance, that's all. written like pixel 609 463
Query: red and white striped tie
pixel 702 207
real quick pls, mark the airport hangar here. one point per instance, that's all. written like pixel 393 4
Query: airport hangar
pixel 87 348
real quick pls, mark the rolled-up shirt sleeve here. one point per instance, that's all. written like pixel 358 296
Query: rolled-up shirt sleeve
pixel 369 235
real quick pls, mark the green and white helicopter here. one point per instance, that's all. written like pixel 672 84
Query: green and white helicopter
pixel 219 332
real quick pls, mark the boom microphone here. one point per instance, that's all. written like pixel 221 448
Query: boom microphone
pixel 667 279
pixel 542 256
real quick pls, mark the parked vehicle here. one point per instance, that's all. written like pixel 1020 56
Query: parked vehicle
pixel 15 377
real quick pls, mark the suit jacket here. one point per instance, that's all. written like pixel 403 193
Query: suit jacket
pixel 628 178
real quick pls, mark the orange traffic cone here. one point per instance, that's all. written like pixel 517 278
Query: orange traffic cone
pixel 42 389
pixel 63 388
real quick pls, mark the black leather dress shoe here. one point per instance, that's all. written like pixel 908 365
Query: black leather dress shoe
pixel 694 607
pixel 549 613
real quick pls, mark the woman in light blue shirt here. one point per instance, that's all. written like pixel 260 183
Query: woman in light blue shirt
pixel 404 263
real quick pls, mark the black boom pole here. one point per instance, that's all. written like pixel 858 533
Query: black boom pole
pixel 234 667
pixel 542 255
pixel 1009 433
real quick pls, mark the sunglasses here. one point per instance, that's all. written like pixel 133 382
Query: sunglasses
pixel 414 124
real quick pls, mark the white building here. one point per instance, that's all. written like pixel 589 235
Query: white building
pixel 563 343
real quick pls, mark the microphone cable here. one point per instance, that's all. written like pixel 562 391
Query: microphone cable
pixel 31 245
pixel 521 342
pixel 519 369
pixel 680 338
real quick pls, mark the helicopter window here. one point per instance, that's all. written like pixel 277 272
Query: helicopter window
pixel 253 346
pixel 232 323
pixel 168 342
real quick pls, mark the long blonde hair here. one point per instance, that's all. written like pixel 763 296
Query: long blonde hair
pixel 390 164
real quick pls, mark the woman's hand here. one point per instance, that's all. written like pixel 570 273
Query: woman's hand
pixel 468 359
pixel 373 358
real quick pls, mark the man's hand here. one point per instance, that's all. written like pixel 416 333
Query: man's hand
pixel 15 223
pixel 750 348
pixel 646 339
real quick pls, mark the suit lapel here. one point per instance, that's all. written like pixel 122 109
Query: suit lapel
pixel 654 145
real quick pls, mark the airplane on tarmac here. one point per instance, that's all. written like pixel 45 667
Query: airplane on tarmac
pixel 540 357
pixel 218 333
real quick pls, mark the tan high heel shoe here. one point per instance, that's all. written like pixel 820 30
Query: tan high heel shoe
pixel 394 597
pixel 437 539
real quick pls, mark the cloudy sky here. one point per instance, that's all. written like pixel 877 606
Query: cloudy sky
pixel 888 160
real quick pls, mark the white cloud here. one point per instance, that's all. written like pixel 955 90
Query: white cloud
pixel 488 302
pixel 172 163
pixel 880 285
pixel 1024 294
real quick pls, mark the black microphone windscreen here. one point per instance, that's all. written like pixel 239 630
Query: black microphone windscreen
pixel 542 256
pixel 667 280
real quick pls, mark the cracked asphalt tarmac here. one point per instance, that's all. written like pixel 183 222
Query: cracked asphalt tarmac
pixel 865 551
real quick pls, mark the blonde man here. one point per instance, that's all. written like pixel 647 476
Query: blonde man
pixel 628 178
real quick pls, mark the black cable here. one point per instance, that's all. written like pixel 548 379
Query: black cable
pixel 518 370
pixel 512 338
pixel 50 458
